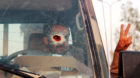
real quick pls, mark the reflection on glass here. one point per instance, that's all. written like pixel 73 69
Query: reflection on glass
pixel 27 41
pixel 1 39
pixel 50 41
pixel 15 38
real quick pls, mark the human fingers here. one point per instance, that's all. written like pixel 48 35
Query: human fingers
pixel 129 39
pixel 121 32
pixel 127 45
pixel 127 29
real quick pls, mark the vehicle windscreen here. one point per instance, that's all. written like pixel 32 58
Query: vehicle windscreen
pixel 45 37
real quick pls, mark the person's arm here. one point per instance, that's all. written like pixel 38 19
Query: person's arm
pixel 122 45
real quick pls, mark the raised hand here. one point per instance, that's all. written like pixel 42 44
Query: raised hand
pixel 122 45
pixel 124 41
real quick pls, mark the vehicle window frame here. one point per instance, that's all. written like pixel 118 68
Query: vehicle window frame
pixel 89 15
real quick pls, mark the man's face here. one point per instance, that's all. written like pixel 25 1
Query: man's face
pixel 58 41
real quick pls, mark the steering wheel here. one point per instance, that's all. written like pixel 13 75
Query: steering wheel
pixel 31 59
pixel 27 53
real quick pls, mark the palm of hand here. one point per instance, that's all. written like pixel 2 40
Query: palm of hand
pixel 124 41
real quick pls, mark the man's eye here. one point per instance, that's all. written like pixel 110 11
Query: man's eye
pixel 57 37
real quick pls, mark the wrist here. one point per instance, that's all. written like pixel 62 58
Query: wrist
pixel 117 51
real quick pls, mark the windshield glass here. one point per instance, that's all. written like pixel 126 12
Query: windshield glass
pixel 51 42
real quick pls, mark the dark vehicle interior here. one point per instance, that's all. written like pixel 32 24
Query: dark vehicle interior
pixel 35 12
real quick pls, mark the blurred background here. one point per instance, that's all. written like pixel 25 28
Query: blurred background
pixel 110 15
